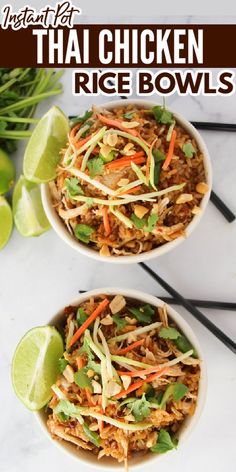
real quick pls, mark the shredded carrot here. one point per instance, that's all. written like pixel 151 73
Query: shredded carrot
pixel 124 159
pixel 89 397
pixel 81 142
pixel 106 222
pixel 88 321
pixel 132 346
pixel 79 362
pixel 137 373
pixel 96 150
pixel 139 384
pixel 101 422
pixel 116 124
pixel 149 159
pixel 131 190
pixel 170 150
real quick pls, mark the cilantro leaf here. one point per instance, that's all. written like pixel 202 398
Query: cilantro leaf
pixel 140 408
pixel 62 364
pixel 177 390
pixel 162 115
pixel 129 115
pixel 158 158
pixel 120 322
pixel 184 345
pixel 139 223
pixel 95 366
pixel 180 391
pixel 62 416
pixel 152 220
pixel 86 349
pixel 82 380
pixel 158 155
pixel 95 166
pixel 189 150
pixel 91 435
pixel 169 333
pixel 83 232
pixel 164 442
pixel 81 316
pixel 143 314
pixel 81 119
pixel 73 186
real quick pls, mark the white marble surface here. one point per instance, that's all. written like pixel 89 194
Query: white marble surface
pixel 37 276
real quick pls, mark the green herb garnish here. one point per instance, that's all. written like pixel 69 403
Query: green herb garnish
pixel 62 364
pixel 164 442
pixel 83 232
pixel 81 316
pixel 129 115
pixel 139 223
pixel 82 380
pixel 140 408
pixel 95 166
pixel 169 333
pixel 189 150
pixel 181 342
pixel 152 220
pixel 177 390
pixel 120 322
pixel 73 186
pixel 80 119
pixel 91 435
pixel 162 115
pixel 158 158
pixel 109 158
pixel 143 314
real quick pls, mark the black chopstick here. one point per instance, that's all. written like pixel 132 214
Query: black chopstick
pixel 215 304
pixel 221 206
pixel 229 343
pixel 211 126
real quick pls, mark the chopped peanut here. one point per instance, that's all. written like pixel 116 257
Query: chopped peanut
pixel 90 373
pixel 126 380
pixel 123 182
pixel 105 251
pixel 130 124
pixel 69 374
pixel 110 139
pixel 185 197
pixel 202 188
pixel 140 211
pixel 117 304
pixel 196 210
pixel 107 320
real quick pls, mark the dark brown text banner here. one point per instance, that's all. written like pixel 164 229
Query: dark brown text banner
pixel 120 46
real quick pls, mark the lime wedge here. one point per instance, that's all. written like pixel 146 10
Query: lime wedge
pixel 28 211
pixel 6 222
pixel 42 152
pixel 7 172
pixel 35 366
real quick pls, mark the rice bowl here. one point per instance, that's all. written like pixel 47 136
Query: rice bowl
pixel 127 203
pixel 133 298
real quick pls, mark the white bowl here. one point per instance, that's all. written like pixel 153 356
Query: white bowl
pixel 87 457
pixel 64 234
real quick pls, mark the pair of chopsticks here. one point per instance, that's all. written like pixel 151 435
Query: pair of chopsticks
pixel 228 342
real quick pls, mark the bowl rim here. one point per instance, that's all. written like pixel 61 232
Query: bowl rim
pixel 191 422
pixel 64 234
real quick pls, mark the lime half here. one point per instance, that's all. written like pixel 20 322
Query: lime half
pixel 42 152
pixel 35 366
pixel 7 172
pixel 6 222
pixel 28 211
